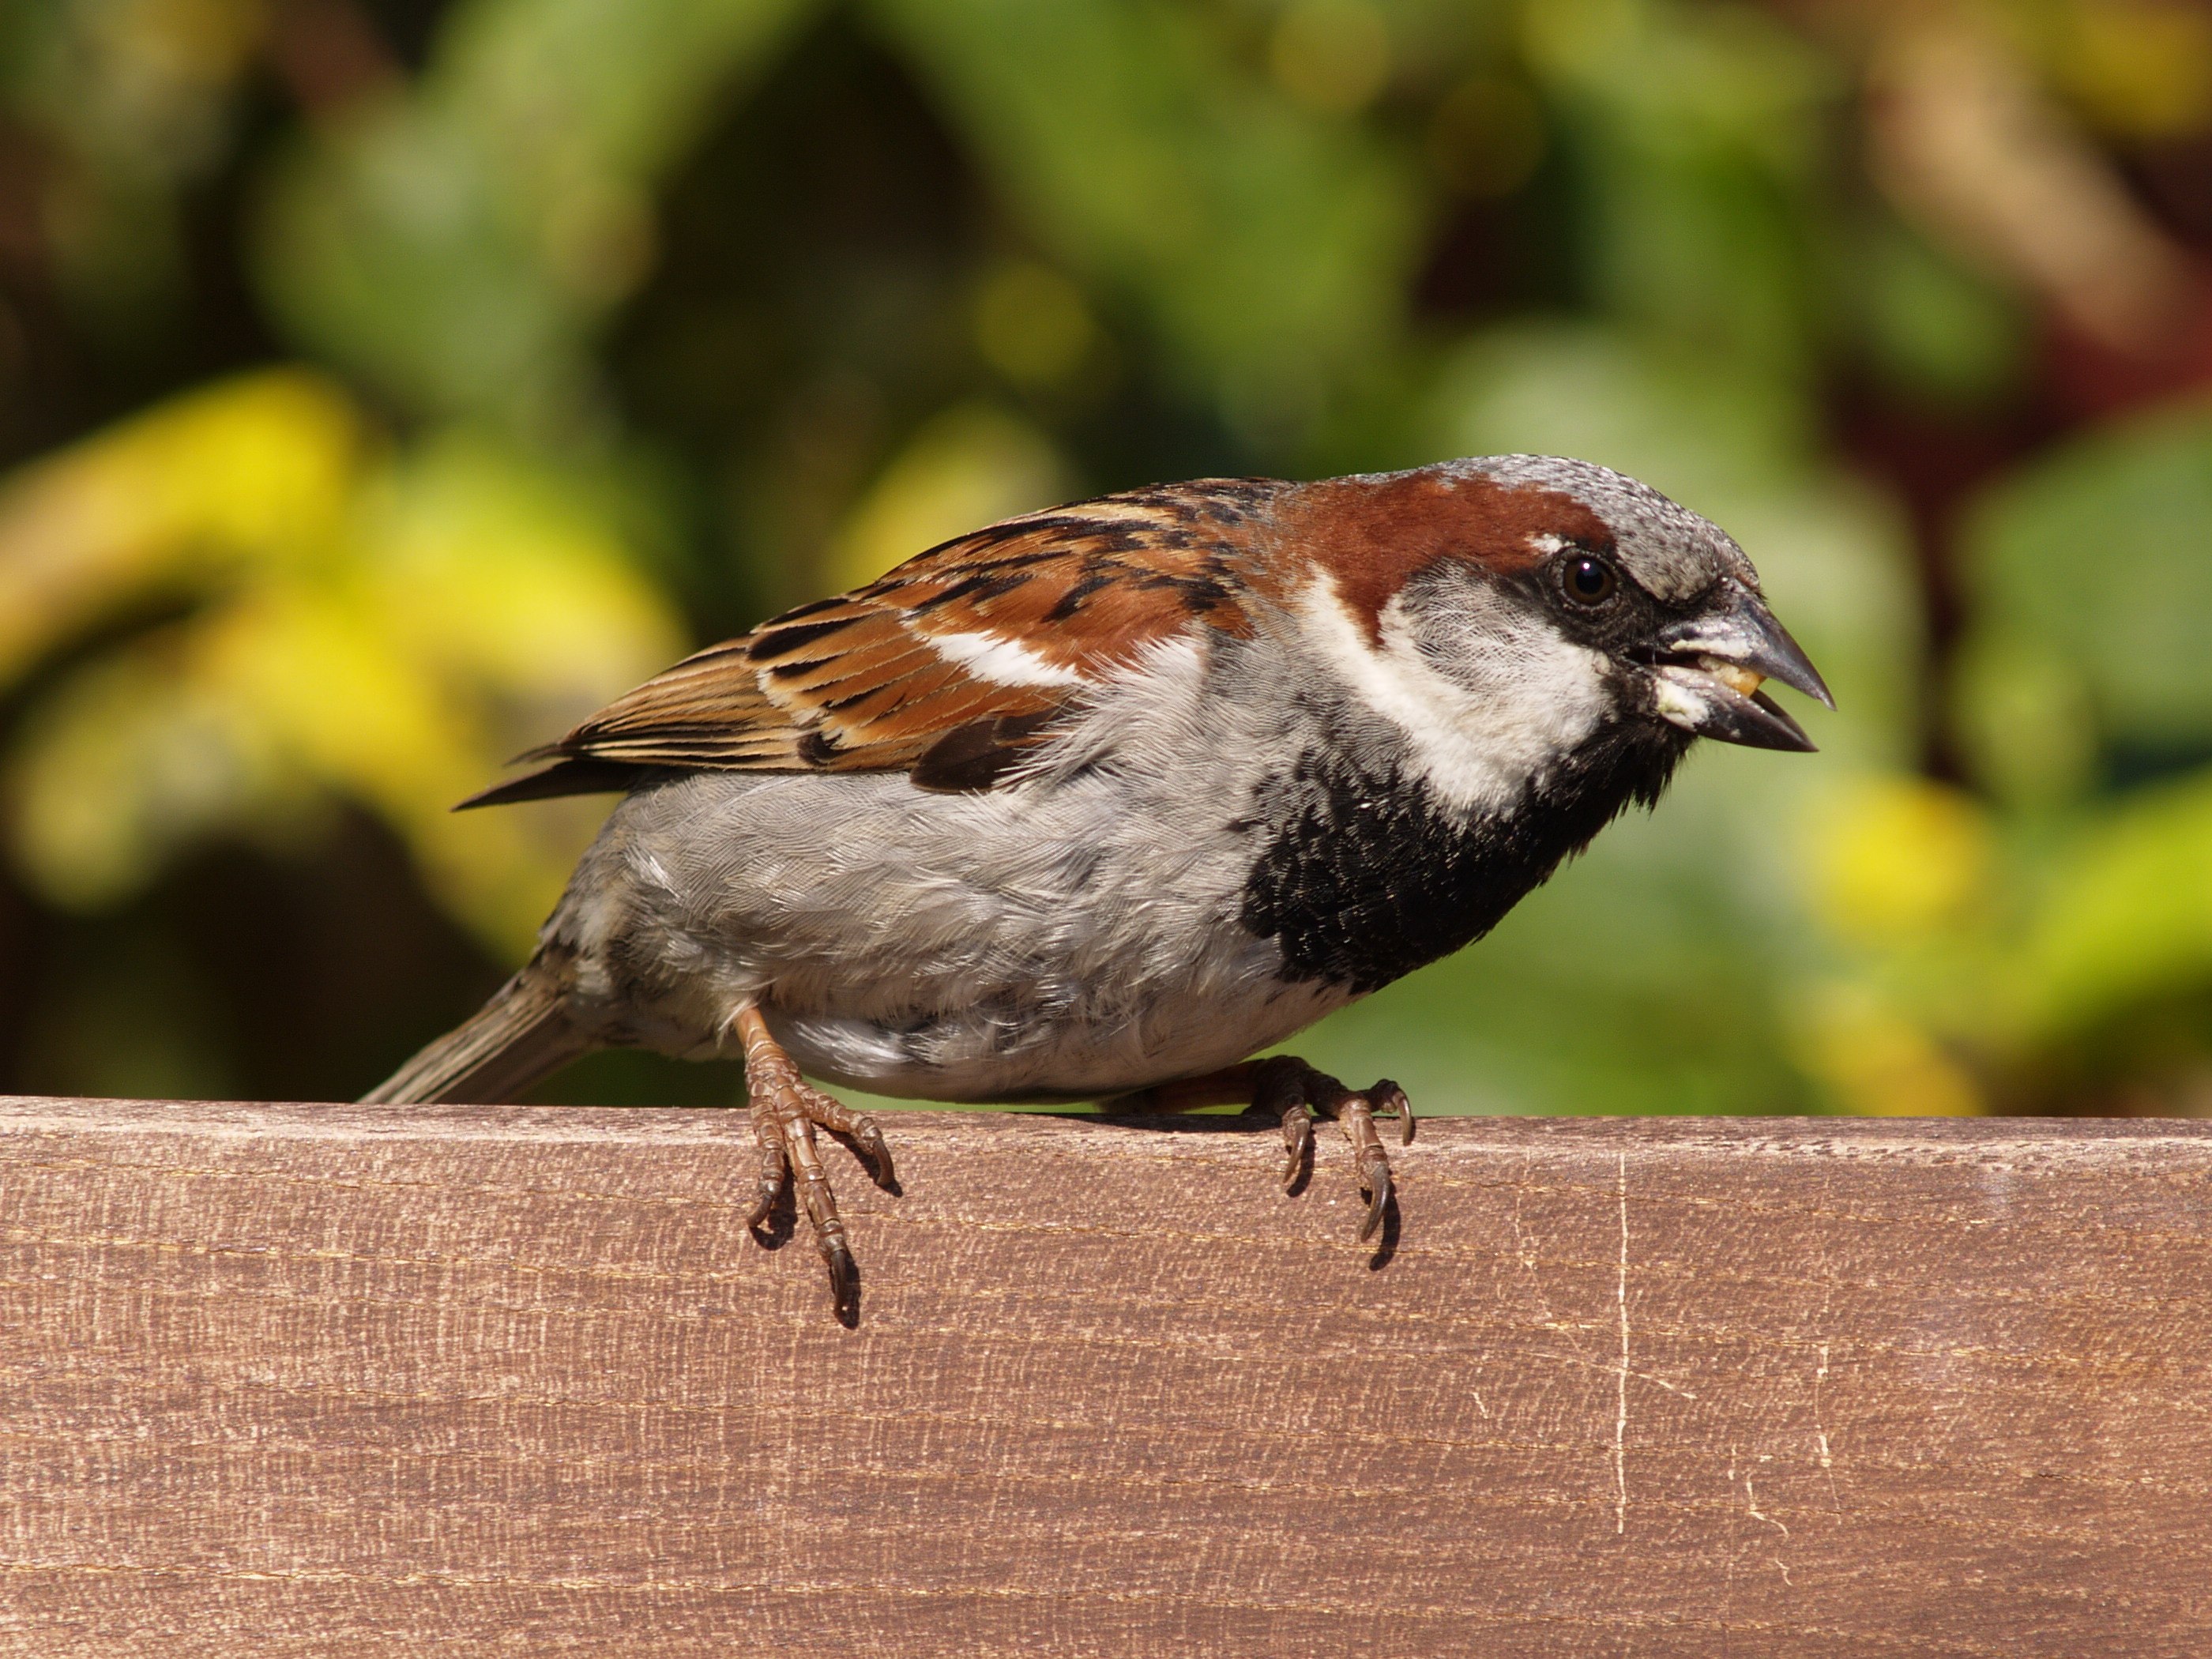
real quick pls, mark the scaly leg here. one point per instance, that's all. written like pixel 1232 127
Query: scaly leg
pixel 1293 1093
pixel 786 1109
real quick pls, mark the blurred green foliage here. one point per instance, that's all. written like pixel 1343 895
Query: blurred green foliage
pixel 388 382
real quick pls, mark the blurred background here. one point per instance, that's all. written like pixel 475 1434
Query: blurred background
pixel 383 384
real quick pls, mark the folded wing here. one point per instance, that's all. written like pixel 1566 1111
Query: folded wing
pixel 951 666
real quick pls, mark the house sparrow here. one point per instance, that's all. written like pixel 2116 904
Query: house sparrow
pixel 1098 802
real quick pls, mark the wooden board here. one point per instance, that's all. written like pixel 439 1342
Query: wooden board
pixel 293 1380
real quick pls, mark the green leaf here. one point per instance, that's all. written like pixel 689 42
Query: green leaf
pixel 461 244
pixel 2094 568
pixel 1270 247
pixel 1698 134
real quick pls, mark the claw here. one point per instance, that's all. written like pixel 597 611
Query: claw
pixel 844 1277
pixel 1389 1101
pixel 1298 1146
pixel 1374 1181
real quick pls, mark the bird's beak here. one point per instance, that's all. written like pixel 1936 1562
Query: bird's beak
pixel 1706 676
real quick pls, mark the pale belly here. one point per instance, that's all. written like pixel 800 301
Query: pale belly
pixel 1055 944
pixel 1008 1051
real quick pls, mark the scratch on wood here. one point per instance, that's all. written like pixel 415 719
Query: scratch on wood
pixel 1820 1434
pixel 1620 1374
pixel 1526 1254
pixel 1751 1503
pixel 1610 1367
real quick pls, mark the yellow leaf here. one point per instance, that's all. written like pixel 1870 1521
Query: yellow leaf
pixel 254 471
pixel 350 709
pixel 1877 1062
pixel 1899 858
pixel 507 590
pixel 133 757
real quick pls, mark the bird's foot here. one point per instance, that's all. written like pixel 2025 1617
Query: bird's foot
pixel 1284 1090
pixel 786 1110
pixel 1293 1093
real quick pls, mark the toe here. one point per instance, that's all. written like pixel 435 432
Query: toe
pixel 775 1168
pixel 857 1130
pixel 876 1153
pixel 1389 1101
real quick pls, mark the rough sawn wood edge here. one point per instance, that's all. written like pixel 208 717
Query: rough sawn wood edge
pixel 1109 1137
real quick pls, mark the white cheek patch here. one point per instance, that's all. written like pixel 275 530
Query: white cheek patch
pixel 1525 696
pixel 1002 661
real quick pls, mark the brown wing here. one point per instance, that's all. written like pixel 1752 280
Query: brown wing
pixel 949 666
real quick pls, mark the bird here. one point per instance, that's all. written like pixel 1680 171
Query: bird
pixel 1099 802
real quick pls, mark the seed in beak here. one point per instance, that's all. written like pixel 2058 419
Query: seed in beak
pixel 1734 675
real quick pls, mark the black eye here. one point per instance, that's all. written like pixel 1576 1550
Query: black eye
pixel 1589 581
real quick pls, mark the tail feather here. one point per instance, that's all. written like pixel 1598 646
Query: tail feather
pixel 526 1032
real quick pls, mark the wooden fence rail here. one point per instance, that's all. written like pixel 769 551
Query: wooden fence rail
pixel 293 1380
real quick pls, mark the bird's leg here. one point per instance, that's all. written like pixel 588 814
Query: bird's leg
pixel 1293 1094
pixel 786 1109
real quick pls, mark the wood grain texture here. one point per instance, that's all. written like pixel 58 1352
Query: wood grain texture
pixel 281 1380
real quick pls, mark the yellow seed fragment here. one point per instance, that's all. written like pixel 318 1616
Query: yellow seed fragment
pixel 1734 675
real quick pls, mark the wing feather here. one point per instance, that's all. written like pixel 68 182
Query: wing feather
pixel 964 655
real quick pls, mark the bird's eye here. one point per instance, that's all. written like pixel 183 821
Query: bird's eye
pixel 1589 581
